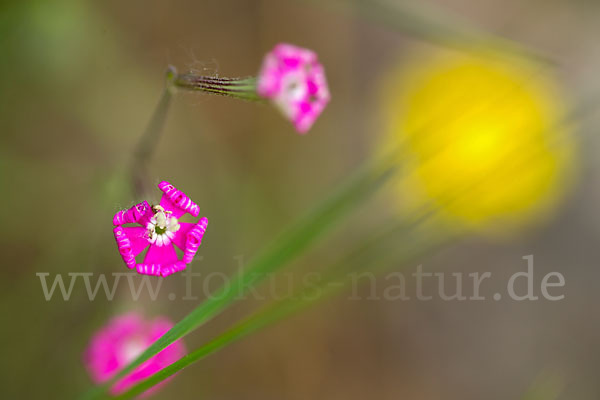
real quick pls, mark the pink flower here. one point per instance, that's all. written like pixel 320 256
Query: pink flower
pixel 121 341
pixel 159 231
pixel 295 80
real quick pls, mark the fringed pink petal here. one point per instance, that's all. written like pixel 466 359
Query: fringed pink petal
pixel 293 56
pixel 138 237
pixel 166 271
pixel 269 82
pixel 158 327
pixel 176 201
pixel 171 269
pixel 166 203
pixel 163 255
pixel 194 239
pixel 181 235
pixel 148 269
pixel 103 357
pixel 125 246
pixel 132 215
pixel 295 80
pixel 120 341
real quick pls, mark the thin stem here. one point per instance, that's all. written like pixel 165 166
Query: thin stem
pixel 149 140
pixel 433 25
pixel 308 296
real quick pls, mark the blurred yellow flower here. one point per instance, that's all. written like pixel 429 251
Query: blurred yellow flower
pixel 482 138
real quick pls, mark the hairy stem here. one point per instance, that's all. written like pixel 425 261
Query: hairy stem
pixel 241 88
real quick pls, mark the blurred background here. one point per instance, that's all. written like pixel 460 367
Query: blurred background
pixel 79 82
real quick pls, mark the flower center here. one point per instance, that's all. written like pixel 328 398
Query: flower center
pixel 132 349
pixel 294 88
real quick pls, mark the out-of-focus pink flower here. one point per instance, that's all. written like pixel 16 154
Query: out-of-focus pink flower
pixel 294 80
pixel 159 231
pixel 120 342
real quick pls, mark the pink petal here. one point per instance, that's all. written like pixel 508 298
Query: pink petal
pixel 125 246
pixel 106 354
pixel 138 237
pixel 194 239
pixel 180 235
pixel 132 215
pixel 161 255
pixel 176 201
pixel 159 327
pixel 312 87
pixel 148 269
pixel 102 356
pixel 295 80
pixel 166 203
pixel 171 269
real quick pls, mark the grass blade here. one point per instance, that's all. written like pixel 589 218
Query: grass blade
pixel 377 260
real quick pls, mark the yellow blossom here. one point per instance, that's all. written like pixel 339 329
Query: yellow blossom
pixel 482 138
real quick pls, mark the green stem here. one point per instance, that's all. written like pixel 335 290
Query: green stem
pixel 433 24
pixel 149 140
pixel 336 281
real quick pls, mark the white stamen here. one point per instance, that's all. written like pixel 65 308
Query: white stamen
pixel 161 219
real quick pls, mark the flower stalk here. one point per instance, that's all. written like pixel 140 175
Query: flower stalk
pixel 240 88
pixel 147 144
pixel 291 78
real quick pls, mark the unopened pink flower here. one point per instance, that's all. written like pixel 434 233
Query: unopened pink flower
pixel 120 342
pixel 158 229
pixel 294 80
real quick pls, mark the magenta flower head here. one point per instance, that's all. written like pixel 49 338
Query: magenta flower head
pixel 294 80
pixel 120 342
pixel 158 229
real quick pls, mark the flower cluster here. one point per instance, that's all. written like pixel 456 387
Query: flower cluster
pixel 120 342
pixel 159 230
